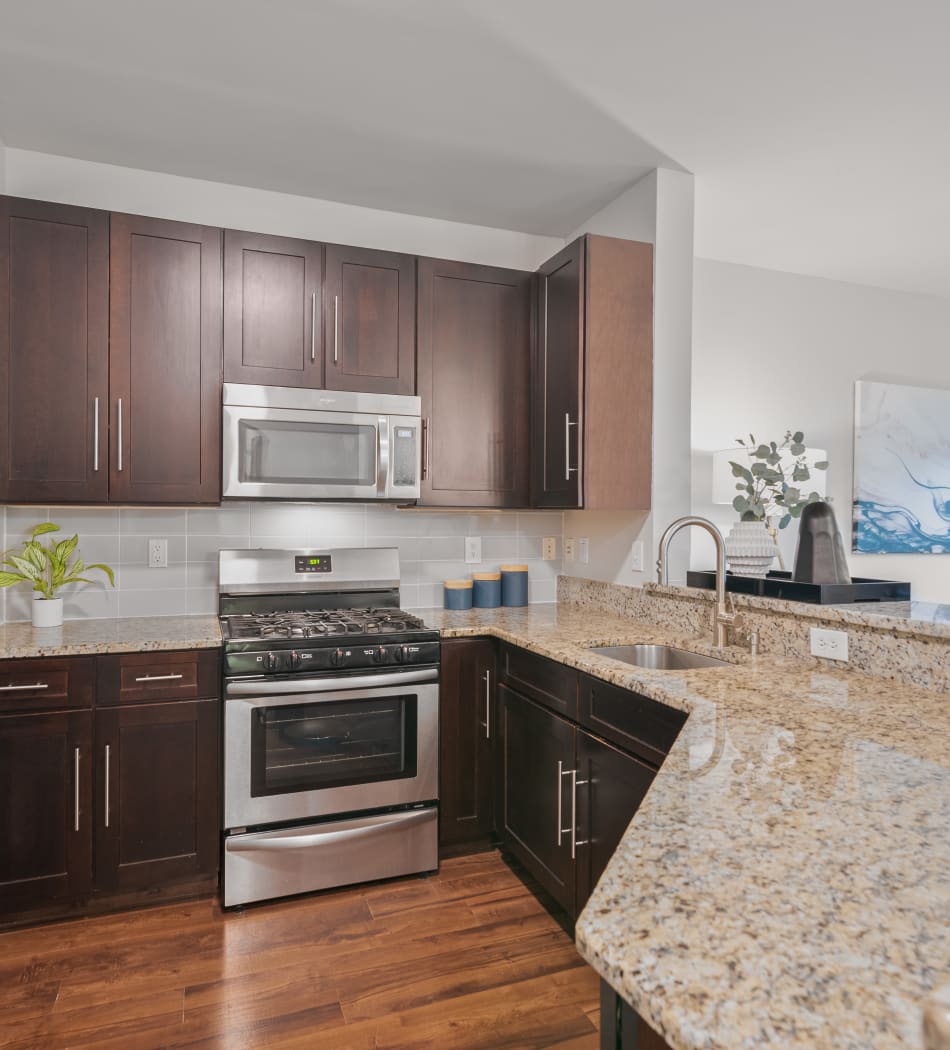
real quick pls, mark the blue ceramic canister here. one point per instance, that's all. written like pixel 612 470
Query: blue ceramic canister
pixel 487 590
pixel 514 585
pixel 457 594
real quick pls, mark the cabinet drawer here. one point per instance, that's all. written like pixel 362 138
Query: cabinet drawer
pixel 134 678
pixel 541 679
pixel 47 684
pixel 630 720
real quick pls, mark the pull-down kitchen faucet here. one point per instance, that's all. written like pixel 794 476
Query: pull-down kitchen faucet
pixel 722 618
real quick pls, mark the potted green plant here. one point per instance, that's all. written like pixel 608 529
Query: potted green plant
pixel 771 486
pixel 47 568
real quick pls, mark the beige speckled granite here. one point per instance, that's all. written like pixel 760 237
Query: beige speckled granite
pixel 786 882
pixel 120 635
pixel 910 644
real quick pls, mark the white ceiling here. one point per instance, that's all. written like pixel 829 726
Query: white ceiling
pixel 818 132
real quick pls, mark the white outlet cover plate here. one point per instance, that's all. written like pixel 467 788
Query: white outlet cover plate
pixel 569 548
pixel 158 554
pixel 549 548
pixel 473 550
pixel 832 645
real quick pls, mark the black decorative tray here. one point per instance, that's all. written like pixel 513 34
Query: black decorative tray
pixel 781 585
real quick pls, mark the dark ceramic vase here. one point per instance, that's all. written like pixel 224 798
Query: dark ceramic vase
pixel 820 557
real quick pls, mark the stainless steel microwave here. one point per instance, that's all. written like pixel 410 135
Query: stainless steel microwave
pixel 285 443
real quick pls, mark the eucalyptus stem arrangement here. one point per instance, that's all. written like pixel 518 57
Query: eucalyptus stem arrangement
pixel 774 481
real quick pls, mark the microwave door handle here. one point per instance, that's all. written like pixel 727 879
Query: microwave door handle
pixel 382 457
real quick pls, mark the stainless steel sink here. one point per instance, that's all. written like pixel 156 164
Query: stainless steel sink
pixel 658 657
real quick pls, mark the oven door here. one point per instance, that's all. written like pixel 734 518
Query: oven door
pixel 329 746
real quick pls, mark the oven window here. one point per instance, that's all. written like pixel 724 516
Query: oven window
pixel 307 453
pixel 309 746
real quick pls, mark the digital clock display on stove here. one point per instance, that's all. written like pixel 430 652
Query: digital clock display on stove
pixel 313 563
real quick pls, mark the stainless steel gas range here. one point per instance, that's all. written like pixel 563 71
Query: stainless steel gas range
pixel 331 723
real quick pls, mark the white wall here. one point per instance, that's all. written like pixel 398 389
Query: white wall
pixel 46 177
pixel 658 209
pixel 775 351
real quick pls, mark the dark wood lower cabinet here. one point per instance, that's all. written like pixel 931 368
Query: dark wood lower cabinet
pixel 468 727
pixel 45 809
pixel 157 794
pixel 538 749
pixel 622 1028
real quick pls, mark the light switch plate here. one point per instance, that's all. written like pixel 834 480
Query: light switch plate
pixel 832 645
pixel 583 550
pixel 636 556
pixel 549 548
pixel 158 554
pixel 473 550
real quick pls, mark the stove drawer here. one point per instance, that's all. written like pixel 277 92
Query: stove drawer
pixel 136 678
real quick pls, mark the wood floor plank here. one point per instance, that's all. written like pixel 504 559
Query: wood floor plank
pixel 463 960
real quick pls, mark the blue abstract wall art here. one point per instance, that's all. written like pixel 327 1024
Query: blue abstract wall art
pixel 901 469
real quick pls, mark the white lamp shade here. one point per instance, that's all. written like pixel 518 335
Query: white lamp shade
pixel 724 484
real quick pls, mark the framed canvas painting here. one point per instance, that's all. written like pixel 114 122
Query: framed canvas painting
pixel 901 469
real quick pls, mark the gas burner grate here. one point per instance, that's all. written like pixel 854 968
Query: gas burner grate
pixel 321 623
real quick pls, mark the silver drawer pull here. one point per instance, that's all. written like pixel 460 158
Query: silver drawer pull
pixel 23 688
pixel 159 677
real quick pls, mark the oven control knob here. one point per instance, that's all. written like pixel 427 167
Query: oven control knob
pixel 271 661
pixel 336 658
pixel 400 654
pixel 379 656
pixel 294 661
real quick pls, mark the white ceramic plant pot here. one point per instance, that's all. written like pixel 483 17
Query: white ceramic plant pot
pixel 47 612
pixel 750 549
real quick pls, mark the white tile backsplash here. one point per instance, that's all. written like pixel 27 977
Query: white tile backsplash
pixel 430 543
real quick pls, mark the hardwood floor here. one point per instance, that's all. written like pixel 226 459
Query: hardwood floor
pixel 467 958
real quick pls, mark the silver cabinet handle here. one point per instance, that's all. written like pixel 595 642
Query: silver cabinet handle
pixel 568 469
pixel 560 820
pixel 336 329
pixel 313 326
pixel 488 705
pixel 95 433
pixel 75 789
pixel 119 437
pixel 108 757
pixel 575 784
pixel 425 448
pixel 23 688
pixel 159 677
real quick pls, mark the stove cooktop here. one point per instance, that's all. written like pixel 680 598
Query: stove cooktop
pixel 317 624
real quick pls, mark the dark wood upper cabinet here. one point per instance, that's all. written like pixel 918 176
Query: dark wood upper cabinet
pixel 45 809
pixel 54 338
pixel 473 364
pixel 272 310
pixel 165 360
pixel 370 321
pixel 468 727
pixel 592 390
pixel 156 794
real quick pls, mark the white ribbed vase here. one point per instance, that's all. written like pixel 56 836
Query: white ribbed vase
pixel 750 549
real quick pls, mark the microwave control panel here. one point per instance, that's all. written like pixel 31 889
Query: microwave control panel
pixel 404 455
pixel 313 563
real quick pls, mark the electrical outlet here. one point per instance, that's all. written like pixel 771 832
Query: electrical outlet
pixel 473 550
pixel 636 556
pixel 158 554
pixel 583 550
pixel 549 548
pixel 569 544
pixel 833 645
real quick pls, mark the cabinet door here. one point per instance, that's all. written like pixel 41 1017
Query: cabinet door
pixel 165 362
pixel 272 310
pixel 156 794
pixel 45 808
pixel 611 786
pixel 557 376
pixel 474 348
pixel 54 352
pixel 538 751
pixel 370 321
pixel 467 727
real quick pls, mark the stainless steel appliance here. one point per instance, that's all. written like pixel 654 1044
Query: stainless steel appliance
pixel 331 723
pixel 285 443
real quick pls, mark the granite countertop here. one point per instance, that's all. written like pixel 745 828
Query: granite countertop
pixel 119 635
pixel 786 882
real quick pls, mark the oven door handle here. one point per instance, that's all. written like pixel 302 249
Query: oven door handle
pixel 391 822
pixel 285 687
